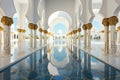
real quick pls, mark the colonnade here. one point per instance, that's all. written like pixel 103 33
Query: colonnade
pixel 74 36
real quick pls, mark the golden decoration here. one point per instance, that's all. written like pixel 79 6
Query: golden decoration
pixel 19 30
pixel 74 31
pixel 45 31
pixel 40 29
pixel 7 21
pixel 35 27
pixel 24 30
pixel 79 30
pixel 84 27
pixel 1 28
pixel 31 26
pixel 89 26
pixel 105 22
pixel 113 20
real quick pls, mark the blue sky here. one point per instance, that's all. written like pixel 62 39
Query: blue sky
pixel 97 25
pixel 59 26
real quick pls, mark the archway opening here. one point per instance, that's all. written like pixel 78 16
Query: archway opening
pixel 59 23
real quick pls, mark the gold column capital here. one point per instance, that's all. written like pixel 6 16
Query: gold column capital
pixel 79 30
pixel 35 27
pixel 105 22
pixel 89 26
pixel 84 27
pixel 6 20
pixel 74 31
pixel 19 30
pixel 45 31
pixel 32 26
pixel 40 29
pixel 24 30
pixel 113 20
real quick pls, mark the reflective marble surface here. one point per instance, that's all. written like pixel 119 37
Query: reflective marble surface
pixel 72 64
pixel 97 50
pixel 18 51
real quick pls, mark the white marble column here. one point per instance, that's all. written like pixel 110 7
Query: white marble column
pixel 0 41
pixel 34 38
pixel 31 38
pixel 1 38
pixel 105 22
pixel 85 35
pixel 89 39
pixel 35 28
pixel 45 39
pixel 119 36
pixel 7 44
pixel 85 38
pixel 113 21
pixel 106 39
pixel 89 26
pixel 40 38
pixel 79 37
pixel 19 37
pixel 40 30
pixel 113 40
pixel 6 21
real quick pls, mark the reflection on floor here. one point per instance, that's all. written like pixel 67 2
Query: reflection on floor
pixel 60 61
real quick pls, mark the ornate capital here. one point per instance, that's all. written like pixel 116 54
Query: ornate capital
pixel 89 26
pixel 40 29
pixel 105 22
pixel 24 30
pixel 1 28
pixel 32 26
pixel 35 27
pixel 84 27
pixel 21 30
pixel 79 30
pixel 45 31
pixel 113 20
pixel 74 31
pixel 7 21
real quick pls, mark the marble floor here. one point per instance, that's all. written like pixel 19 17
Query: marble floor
pixel 84 64
pixel 60 62
pixel 17 52
pixel 97 50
